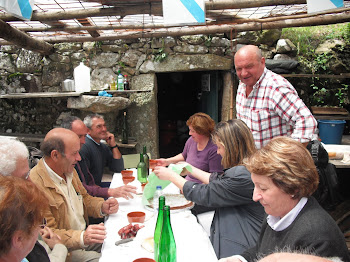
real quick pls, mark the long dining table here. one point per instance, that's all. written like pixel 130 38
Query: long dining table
pixel 192 242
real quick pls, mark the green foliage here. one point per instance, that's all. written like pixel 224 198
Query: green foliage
pixel 308 38
pixel 159 55
pixel 13 76
pixel 342 94
pixel 98 44
pixel 207 40
pixel 121 64
pixel 328 93
pixel 320 96
pixel 321 63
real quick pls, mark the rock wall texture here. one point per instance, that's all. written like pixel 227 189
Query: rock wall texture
pixel 26 71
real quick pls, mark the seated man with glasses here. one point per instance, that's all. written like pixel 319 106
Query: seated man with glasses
pixel 14 162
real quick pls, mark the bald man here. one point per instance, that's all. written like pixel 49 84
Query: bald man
pixel 268 103
pixel 70 204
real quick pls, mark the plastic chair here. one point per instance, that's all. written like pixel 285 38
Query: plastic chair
pixel 131 160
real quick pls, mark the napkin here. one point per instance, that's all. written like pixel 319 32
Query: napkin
pixel 154 181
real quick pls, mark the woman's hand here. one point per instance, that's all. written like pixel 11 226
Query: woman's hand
pixel 164 173
pixel 162 162
pixel 50 238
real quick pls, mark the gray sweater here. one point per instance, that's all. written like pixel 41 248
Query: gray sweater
pixel 237 220
pixel 313 230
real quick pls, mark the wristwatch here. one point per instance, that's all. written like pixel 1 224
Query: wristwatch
pixel 113 146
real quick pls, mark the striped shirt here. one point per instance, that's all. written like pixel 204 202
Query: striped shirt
pixel 273 108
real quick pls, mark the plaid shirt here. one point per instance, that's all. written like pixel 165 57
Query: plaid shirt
pixel 273 108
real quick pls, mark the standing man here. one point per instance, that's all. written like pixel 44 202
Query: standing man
pixel 268 103
pixel 77 126
pixel 96 154
pixel 69 203
pixel 14 162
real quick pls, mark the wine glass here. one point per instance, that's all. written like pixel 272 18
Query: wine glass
pixel 152 164
pixel 127 176
pixel 128 179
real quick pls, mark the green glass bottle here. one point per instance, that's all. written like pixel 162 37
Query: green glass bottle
pixel 146 159
pixel 167 246
pixel 159 225
pixel 142 171
pixel 125 137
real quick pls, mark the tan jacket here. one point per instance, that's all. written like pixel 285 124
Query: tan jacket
pixel 57 215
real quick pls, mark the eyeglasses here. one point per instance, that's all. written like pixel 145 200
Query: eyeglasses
pixel 27 175
pixel 43 225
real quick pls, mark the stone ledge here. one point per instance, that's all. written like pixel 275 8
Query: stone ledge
pixel 98 104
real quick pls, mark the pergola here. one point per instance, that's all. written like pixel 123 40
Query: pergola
pixel 56 21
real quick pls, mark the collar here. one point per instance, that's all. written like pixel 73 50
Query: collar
pixel 279 224
pixel 88 136
pixel 56 178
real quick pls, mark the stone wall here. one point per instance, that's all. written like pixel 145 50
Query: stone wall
pixel 26 71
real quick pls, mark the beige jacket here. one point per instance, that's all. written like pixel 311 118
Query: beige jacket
pixel 57 214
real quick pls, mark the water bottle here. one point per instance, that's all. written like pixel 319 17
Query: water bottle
pixel 159 226
pixel 82 78
pixel 167 245
pixel 156 196
pixel 120 81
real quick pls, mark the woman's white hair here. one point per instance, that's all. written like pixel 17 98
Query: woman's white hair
pixel 10 151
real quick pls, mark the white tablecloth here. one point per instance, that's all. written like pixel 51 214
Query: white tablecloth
pixel 192 242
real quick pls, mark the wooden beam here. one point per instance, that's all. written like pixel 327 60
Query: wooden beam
pixel 21 39
pixel 146 8
pixel 86 22
pixel 62 27
pixel 251 26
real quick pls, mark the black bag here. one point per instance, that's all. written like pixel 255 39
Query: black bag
pixel 327 193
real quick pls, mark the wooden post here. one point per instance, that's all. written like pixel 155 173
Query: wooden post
pixel 21 39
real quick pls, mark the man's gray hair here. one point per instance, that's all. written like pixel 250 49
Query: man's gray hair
pixel 88 119
pixel 67 122
pixel 10 151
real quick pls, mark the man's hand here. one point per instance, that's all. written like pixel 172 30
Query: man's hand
pixel 110 139
pixel 123 191
pixel 50 238
pixel 94 234
pixel 110 206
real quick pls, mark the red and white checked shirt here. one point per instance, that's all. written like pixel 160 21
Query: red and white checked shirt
pixel 273 108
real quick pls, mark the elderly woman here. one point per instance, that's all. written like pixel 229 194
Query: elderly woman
pixel 285 177
pixel 237 220
pixel 21 215
pixel 199 151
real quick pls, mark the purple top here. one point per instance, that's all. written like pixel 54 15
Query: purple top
pixel 207 159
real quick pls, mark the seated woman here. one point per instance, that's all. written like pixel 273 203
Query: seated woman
pixel 237 220
pixel 21 215
pixel 199 151
pixel 285 177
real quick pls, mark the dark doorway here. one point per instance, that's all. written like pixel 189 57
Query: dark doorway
pixel 180 95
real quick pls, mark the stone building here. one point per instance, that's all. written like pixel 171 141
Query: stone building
pixel 175 77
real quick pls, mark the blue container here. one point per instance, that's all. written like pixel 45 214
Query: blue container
pixel 331 131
